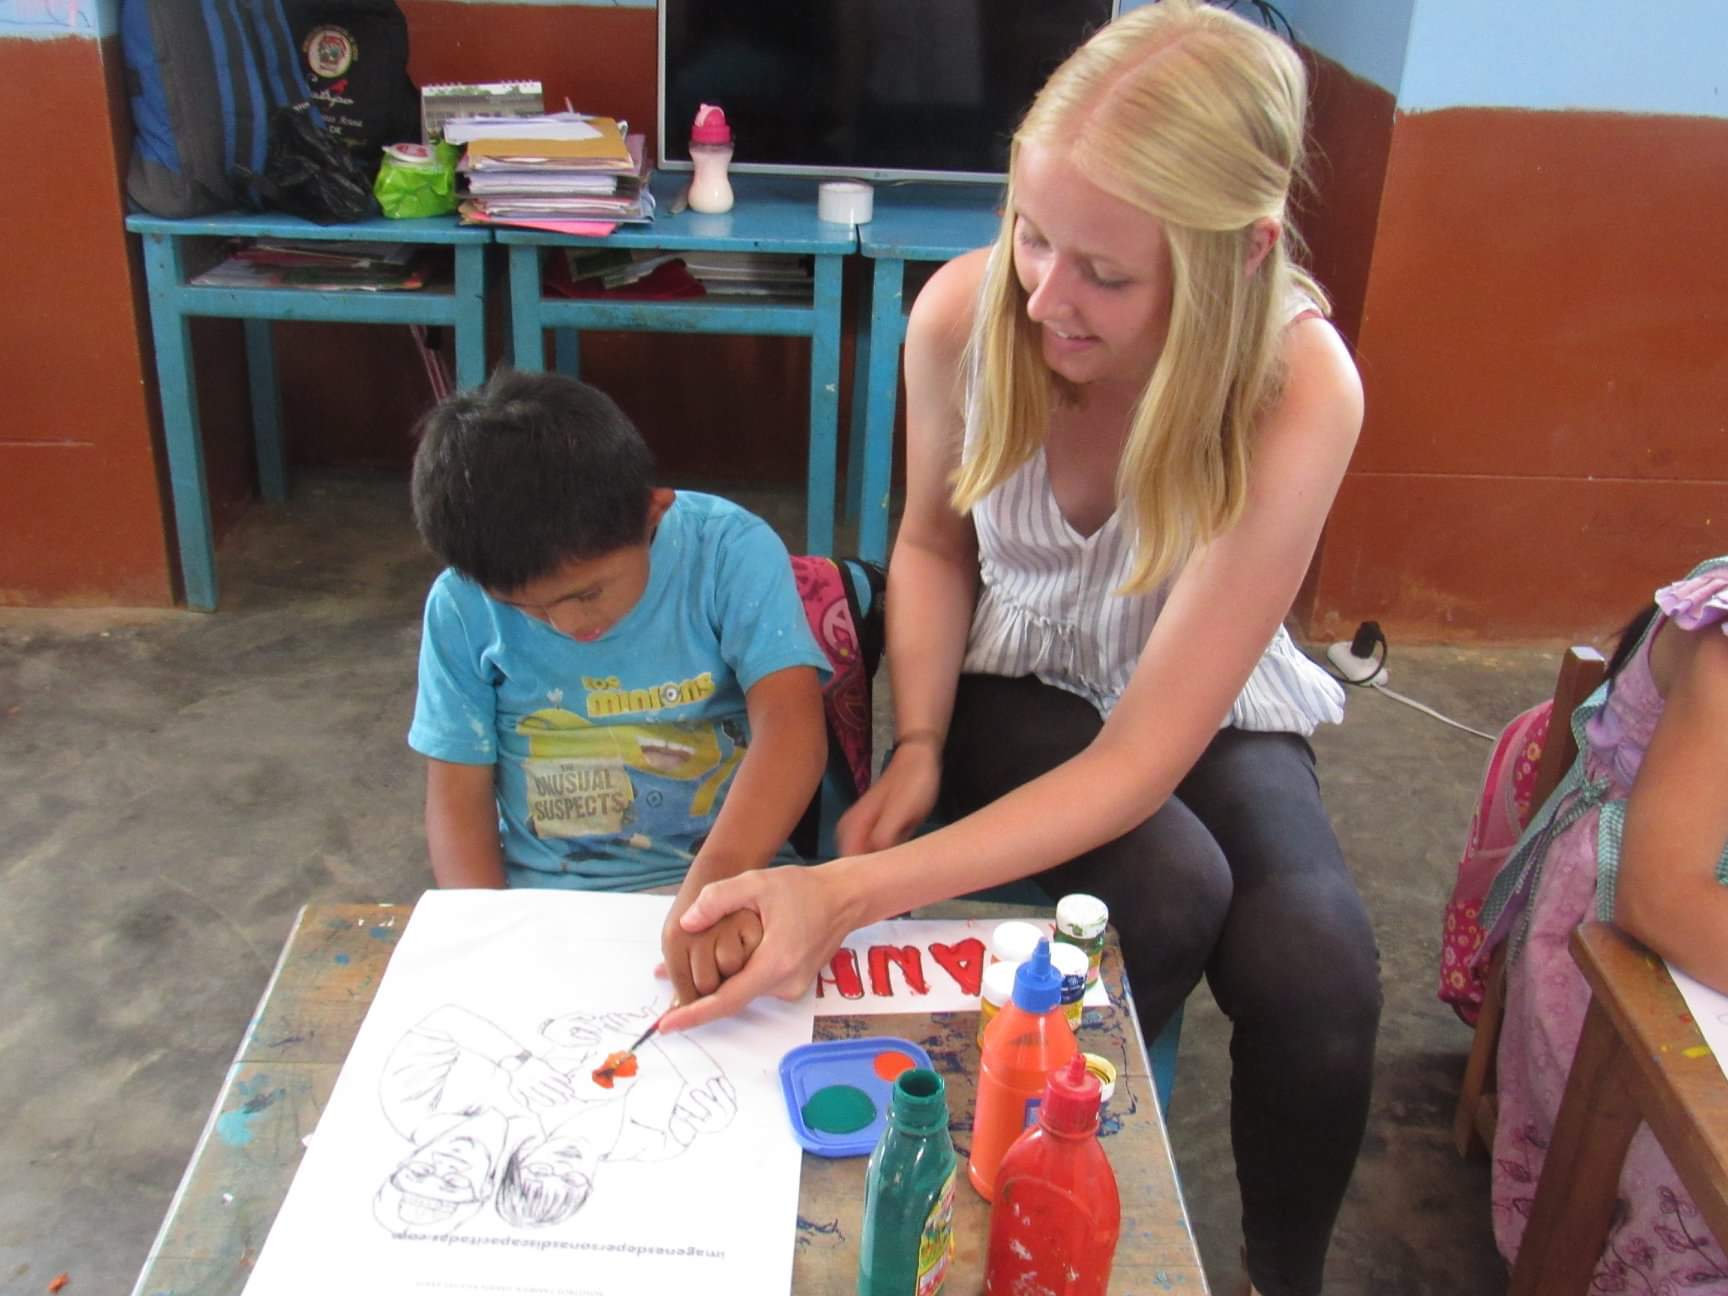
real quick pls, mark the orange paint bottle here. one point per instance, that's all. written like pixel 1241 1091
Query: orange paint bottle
pixel 1023 1044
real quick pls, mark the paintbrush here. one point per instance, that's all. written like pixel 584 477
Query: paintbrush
pixel 652 1027
pixel 623 1063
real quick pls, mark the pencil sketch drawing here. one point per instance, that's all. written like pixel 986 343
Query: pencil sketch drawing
pixel 487 1119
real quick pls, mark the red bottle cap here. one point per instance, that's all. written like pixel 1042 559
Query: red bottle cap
pixel 1071 1098
pixel 710 126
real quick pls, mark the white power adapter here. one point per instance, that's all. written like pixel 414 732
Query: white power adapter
pixel 1356 661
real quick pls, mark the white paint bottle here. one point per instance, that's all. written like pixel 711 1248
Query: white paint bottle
pixel 1013 941
pixel 710 155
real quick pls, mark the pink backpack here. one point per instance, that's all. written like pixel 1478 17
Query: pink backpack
pixel 844 605
pixel 1500 818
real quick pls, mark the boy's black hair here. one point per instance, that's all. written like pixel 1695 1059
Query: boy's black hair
pixel 527 472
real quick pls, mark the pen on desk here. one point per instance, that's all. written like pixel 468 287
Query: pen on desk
pixel 679 201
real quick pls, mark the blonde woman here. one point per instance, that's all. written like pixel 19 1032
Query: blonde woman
pixel 1127 420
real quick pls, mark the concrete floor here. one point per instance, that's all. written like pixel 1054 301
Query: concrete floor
pixel 173 786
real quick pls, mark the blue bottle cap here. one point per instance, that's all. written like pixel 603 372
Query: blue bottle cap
pixel 1037 984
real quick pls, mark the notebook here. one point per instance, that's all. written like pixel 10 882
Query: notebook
pixel 442 101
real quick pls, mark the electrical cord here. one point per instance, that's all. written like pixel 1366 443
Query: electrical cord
pixel 1428 710
pixel 1361 663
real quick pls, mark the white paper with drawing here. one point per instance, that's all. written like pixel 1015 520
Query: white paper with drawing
pixel 1709 1009
pixel 466 1146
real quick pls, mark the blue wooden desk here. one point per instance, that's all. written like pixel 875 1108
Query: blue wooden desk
pixel 174 301
pixel 772 214
pixel 922 222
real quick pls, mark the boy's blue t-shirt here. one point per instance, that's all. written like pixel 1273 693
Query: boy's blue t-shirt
pixel 614 756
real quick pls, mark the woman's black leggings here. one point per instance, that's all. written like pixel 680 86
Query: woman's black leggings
pixel 1238 877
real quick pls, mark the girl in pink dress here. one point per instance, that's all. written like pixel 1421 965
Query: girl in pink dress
pixel 1635 834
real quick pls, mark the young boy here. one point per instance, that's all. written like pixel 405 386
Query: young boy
pixel 618 688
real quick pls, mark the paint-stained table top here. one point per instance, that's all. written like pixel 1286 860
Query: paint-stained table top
pixel 329 971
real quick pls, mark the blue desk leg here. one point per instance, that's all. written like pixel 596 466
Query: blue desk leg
pixel 567 352
pixel 824 409
pixel 470 326
pixel 174 375
pixel 1162 1056
pixel 881 381
pixel 527 331
pixel 266 412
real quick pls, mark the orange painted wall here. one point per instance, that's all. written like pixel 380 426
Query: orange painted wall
pixel 1544 346
pixel 1338 210
pixel 1349 141
pixel 82 518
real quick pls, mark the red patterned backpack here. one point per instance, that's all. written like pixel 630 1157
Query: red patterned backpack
pixel 843 601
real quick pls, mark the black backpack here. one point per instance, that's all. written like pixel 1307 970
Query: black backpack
pixel 354 58
pixel 202 94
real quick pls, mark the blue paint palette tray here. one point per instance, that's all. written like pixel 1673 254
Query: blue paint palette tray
pixel 810 1068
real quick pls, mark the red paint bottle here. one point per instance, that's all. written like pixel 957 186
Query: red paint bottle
pixel 1056 1216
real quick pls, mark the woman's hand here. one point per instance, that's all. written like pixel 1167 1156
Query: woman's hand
pixel 897 803
pixel 804 918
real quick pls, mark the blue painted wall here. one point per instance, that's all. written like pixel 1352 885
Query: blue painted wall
pixel 1369 37
pixel 1668 57
pixel 49 19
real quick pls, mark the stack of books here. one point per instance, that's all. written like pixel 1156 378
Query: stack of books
pixel 444 100
pixel 321 265
pixel 752 274
pixel 619 272
pixel 557 170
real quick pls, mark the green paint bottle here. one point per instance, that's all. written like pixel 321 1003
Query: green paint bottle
pixel 908 1243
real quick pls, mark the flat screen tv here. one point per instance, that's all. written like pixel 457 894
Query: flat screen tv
pixel 878 89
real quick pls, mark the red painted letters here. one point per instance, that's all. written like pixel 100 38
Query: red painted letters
pixel 842 975
pixel 964 961
pixel 907 958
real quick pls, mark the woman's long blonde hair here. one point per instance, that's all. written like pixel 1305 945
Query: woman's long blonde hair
pixel 1195 117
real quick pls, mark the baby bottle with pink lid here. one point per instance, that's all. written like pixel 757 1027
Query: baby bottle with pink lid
pixel 710 152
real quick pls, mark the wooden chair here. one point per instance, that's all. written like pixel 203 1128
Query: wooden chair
pixel 1641 1060
pixel 1581 670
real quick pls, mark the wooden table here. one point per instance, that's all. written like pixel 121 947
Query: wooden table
pixel 295 1045
pixel 1641 1059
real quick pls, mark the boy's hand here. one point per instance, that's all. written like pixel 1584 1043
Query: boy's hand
pixel 697 962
